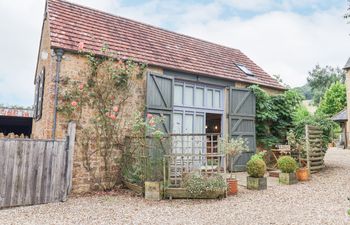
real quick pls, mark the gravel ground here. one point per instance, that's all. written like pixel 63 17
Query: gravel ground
pixel 323 200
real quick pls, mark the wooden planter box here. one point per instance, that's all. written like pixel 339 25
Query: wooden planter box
pixel 134 187
pixel 288 178
pixel 256 183
pixel 153 190
pixel 182 193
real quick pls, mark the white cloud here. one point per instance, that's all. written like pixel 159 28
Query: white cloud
pixel 283 43
pixel 278 39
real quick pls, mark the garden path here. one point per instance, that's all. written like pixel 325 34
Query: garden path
pixel 322 200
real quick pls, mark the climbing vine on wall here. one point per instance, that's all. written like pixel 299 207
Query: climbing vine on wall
pixel 274 115
pixel 97 102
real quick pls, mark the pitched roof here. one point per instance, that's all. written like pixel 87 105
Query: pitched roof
pixel 341 116
pixel 70 24
pixel 347 65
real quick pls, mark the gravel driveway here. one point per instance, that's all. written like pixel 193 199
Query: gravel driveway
pixel 323 200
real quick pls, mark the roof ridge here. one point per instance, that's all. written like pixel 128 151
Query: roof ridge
pixel 146 24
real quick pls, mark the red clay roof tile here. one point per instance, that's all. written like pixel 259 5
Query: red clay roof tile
pixel 71 24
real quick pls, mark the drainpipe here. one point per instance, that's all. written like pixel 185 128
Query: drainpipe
pixel 59 54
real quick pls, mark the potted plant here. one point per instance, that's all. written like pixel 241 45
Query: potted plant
pixel 302 174
pixel 256 169
pixel 232 185
pixel 288 166
pixel 231 148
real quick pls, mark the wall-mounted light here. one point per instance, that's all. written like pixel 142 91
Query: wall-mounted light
pixel 216 127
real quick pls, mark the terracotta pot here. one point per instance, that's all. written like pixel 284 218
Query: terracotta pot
pixel 232 186
pixel 303 174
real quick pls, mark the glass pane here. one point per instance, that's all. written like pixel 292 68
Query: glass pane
pixel 178 90
pixel 216 99
pixel 187 140
pixel 177 126
pixel 188 123
pixel 199 124
pixel 209 98
pixel 189 96
pixel 199 97
pixel 177 129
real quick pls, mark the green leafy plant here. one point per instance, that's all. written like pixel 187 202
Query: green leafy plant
pixel 333 100
pixel 259 155
pixel 96 102
pixel 142 158
pixel 197 184
pixel 256 167
pixel 274 115
pixel 287 164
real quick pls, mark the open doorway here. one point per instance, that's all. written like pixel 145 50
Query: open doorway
pixel 213 131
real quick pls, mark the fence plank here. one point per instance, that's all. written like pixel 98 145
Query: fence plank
pixel 3 172
pixel 33 171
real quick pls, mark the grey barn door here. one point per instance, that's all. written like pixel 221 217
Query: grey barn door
pixel 242 124
pixel 160 90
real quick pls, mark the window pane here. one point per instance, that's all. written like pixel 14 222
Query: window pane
pixel 177 126
pixel 178 94
pixel 209 98
pixel 189 96
pixel 188 123
pixel 216 99
pixel 199 98
pixel 199 124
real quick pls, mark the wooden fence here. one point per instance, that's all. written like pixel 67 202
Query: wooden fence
pixel 34 171
pixel 314 151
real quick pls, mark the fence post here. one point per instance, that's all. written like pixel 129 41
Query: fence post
pixel 70 153
pixel 307 148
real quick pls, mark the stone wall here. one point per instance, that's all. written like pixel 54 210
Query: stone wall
pixel 46 59
pixel 270 91
pixel 347 83
pixel 73 66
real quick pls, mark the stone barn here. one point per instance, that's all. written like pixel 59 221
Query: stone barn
pixel 198 86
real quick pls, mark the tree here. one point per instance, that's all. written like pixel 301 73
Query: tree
pixel 305 90
pixel 320 79
pixel 334 100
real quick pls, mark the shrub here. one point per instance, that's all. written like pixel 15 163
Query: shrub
pixel 259 155
pixel 256 167
pixel 287 164
pixel 197 184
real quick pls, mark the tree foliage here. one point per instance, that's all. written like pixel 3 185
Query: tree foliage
pixel 301 119
pixel 274 115
pixel 321 78
pixel 305 90
pixel 334 100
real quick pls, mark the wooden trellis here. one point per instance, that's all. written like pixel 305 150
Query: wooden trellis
pixel 313 148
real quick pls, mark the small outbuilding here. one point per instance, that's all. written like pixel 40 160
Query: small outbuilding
pixel 16 120
pixel 342 119
pixel 199 87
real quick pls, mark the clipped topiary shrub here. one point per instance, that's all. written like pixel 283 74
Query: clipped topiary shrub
pixel 256 167
pixel 287 164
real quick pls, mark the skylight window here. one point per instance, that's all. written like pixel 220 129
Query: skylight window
pixel 245 69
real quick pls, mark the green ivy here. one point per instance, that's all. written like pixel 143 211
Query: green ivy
pixel 274 115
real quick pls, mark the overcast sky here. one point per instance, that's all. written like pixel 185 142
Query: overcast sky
pixel 285 37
